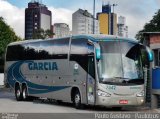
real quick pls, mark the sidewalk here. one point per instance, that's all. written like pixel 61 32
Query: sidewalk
pixel 157 110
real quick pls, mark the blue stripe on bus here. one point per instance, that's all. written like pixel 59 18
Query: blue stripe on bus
pixel 15 75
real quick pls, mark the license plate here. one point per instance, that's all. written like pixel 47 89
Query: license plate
pixel 123 101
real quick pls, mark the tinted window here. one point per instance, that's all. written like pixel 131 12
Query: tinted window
pixel 79 46
pixel 54 49
pixel 15 52
pixel 51 49
pixel 31 51
pixel 79 52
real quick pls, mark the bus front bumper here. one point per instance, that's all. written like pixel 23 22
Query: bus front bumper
pixel 119 101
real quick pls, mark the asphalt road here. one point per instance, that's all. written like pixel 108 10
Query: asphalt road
pixel 45 108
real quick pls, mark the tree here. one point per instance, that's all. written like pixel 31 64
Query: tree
pixel 42 34
pixel 7 35
pixel 152 26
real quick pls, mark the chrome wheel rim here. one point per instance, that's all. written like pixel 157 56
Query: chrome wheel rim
pixel 18 93
pixel 24 94
pixel 77 98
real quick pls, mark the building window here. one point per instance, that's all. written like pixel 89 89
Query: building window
pixel 35 15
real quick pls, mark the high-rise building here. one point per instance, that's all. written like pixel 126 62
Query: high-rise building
pixel 122 27
pixel 61 30
pixel 103 23
pixel 82 23
pixel 37 16
pixel 107 21
pixel 106 9
pixel 113 22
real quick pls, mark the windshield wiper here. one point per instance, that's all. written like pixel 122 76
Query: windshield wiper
pixel 137 81
pixel 120 78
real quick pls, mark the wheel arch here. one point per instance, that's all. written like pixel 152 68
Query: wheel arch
pixel 73 90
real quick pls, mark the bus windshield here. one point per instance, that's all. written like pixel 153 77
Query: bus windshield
pixel 120 63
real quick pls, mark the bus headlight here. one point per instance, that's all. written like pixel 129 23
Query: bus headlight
pixel 103 94
pixel 141 94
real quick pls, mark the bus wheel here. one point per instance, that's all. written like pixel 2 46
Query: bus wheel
pixel 117 108
pixel 24 93
pixel 77 100
pixel 18 93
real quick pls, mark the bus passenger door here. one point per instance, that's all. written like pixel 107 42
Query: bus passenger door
pixel 91 92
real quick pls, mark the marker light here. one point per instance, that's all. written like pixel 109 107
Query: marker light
pixel 150 54
pixel 98 54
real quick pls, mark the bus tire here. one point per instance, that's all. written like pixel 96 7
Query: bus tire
pixel 18 93
pixel 77 99
pixel 117 108
pixel 24 93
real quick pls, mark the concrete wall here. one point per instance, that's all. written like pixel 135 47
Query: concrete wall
pixel 45 22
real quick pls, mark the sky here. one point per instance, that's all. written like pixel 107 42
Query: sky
pixel 137 12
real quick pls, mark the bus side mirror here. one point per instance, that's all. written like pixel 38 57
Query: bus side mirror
pixel 149 54
pixel 98 54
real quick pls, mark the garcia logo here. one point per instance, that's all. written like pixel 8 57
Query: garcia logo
pixel 42 66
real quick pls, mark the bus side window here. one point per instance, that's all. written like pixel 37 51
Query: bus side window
pixel 54 49
pixel 79 46
pixel 15 53
pixel 79 52
pixel 31 51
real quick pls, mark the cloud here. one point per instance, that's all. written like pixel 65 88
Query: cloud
pixel 137 13
pixel 61 15
pixel 15 16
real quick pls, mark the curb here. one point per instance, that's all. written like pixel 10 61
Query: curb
pixel 157 110
pixel 1 86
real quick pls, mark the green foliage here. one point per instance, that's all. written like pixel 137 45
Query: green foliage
pixel 152 26
pixel 7 35
pixel 42 34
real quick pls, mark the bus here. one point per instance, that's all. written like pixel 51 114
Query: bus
pixel 97 70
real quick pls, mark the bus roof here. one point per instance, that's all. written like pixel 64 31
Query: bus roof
pixel 92 37
pixel 102 37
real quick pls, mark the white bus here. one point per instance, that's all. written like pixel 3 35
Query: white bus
pixel 85 69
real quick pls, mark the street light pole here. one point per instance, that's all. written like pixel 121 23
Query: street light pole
pixel 94 4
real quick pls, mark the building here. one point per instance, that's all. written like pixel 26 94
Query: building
pixel 103 23
pixel 107 21
pixel 122 27
pixel 152 40
pixel 61 30
pixel 82 23
pixel 113 24
pixel 37 16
